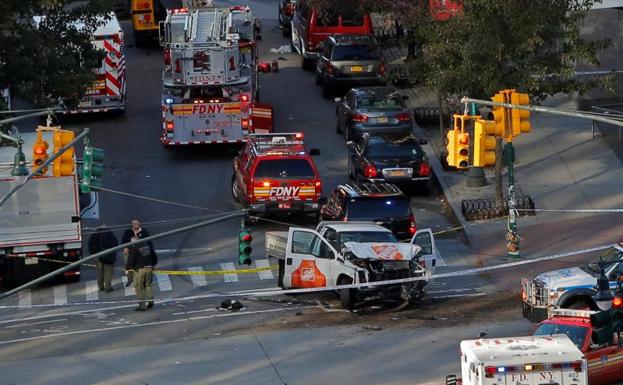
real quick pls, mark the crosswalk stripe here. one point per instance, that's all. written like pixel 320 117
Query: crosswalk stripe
pixel 164 283
pixel 127 290
pixel 60 295
pixel 197 279
pixel 24 298
pixel 264 274
pixel 91 290
pixel 229 277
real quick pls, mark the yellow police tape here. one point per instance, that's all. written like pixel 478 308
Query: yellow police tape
pixel 215 272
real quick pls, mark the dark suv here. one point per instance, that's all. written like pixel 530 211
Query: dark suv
pixel 393 157
pixel 382 203
pixel 348 61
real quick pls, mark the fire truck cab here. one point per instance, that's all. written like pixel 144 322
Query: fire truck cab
pixel 605 361
pixel 210 83
pixel 275 174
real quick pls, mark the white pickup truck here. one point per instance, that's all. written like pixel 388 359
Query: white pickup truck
pixel 343 253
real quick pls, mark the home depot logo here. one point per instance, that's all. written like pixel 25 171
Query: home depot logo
pixel 308 274
pixel 386 252
pixel 288 191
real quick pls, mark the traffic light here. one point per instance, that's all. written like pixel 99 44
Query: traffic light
pixel 64 164
pixel 520 119
pixel 485 132
pixel 458 143
pixel 92 168
pixel 451 147
pixel 40 153
pixel 462 150
pixel 500 114
pixel 602 327
pixel 616 311
pixel 244 247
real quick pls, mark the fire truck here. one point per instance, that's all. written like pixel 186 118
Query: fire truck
pixel 210 79
pixel 108 92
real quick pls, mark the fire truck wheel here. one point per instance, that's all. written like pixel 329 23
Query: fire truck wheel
pixel 346 295
pixel 234 189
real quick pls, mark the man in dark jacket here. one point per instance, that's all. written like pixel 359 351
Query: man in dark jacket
pixel 141 259
pixel 101 240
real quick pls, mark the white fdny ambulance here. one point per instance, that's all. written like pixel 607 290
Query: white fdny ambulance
pixel 210 85
pixel 528 360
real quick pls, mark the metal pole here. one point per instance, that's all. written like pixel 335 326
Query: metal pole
pixel 129 244
pixel 44 165
pixel 512 239
pixel 544 109
pixel 33 115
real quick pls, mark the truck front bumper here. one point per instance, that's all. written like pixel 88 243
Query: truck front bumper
pixel 284 207
pixel 533 313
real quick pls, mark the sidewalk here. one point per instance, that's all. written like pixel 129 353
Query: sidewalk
pixel 558 164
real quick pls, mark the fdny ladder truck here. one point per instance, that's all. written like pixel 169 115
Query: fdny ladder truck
pixel 210 83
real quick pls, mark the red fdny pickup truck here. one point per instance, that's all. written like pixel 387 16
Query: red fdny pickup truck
pixel 275 174
pixel 605 361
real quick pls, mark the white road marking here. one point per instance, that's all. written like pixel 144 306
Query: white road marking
pixel 198 279
pixel 35 323
pixel 91 290
pixel 24 298
pixel 457 295
pixel 178 320
pixel 129 290
pixel 264 274
pixel 193 311
pixel 164 283
pixel 230 277
pixel 447 291
pixel 60 295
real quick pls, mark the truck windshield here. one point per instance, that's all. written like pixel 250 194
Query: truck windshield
pixel 365 236
pixel 577 334
pixel 608 258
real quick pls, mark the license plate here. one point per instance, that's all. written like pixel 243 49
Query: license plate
pixel 285 205
pixel 382 119
pixel 31 260
pixel 356 69
pixel 397 173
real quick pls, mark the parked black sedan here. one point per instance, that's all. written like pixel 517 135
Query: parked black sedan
pixel 392 157
pixel 371 109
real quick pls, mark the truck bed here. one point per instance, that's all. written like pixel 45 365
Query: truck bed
pixel 41 212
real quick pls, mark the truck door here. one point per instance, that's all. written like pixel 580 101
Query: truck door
pixel 309 260
pixel 425 239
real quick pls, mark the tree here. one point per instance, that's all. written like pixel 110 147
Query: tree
pixel 53 57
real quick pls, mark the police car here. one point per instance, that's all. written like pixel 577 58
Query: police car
pixel 275 174
pixel 571 287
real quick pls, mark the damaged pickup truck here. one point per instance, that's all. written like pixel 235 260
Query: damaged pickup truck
pixel 344 253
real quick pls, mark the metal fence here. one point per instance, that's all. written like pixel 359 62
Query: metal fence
pixel 613 111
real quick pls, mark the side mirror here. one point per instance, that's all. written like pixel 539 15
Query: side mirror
pixel 314 152
pixel 322 201
pixel 337 100
pixel 423 141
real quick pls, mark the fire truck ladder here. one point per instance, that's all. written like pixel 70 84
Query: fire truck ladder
pixel 209 27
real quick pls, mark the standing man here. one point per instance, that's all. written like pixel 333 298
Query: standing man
pixel 101 240
pixel 141 259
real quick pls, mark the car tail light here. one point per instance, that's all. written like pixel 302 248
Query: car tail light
pixel 318 186
pixel 289 9
pixel 170 126
pixel 424 169
pixel 524 295
pixel 404 117
pixel 167 57
pixel 370 170
pixel 360 118
pixel 145 5
pixel 298 136
pixel 244 98
pixel 330 69
pixel 178 66
pixel 381 70
pixel 244 123
pixel 412 228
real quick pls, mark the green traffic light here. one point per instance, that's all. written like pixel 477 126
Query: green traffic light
pixel 244 247
pixel 92 168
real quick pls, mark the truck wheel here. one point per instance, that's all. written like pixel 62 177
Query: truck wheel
pixel 234 189
pixel 346 295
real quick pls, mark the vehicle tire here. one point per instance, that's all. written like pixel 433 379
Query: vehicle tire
pixel 347 296
pixel 327 92
pixel 234 189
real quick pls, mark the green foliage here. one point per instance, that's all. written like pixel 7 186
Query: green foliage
pixel 54 58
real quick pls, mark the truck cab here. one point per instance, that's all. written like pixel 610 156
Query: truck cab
pixel 605 361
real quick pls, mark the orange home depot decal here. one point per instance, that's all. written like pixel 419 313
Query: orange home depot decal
pixel 387 252
pixel 308 275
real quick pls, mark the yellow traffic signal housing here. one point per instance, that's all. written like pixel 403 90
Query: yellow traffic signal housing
pixel 64 164
pixel 485 132
pixel 451 147
pixel 520 119
pixel 500 114
pixel 462 150
pixel 39 153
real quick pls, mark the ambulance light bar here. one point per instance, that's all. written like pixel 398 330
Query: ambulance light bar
pixel 490 371
pixel 572 313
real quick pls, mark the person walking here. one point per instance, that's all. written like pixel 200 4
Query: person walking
pixel 133 234
pixel 101 240
pixel 141 259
